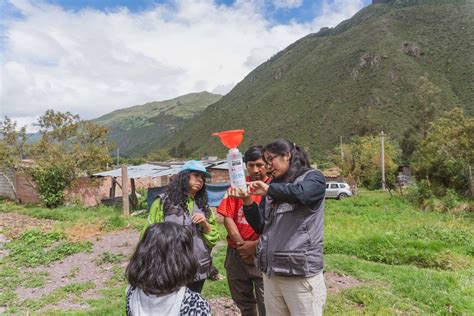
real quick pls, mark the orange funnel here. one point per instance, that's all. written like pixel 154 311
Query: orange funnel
pixel 232 138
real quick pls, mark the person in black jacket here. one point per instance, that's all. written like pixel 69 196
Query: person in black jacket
pixel 290 221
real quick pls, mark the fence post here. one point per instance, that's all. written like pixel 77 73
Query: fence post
pixel 125 203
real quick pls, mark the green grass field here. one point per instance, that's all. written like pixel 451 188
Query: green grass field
pixel 406 261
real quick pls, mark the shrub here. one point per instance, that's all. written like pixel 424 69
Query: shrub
pixel 451 199
pixel 420 193
pixel 424 190
pixel 52 180
pixel 142 194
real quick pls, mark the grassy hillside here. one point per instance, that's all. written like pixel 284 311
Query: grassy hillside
pixel 354 79
pixel 137 129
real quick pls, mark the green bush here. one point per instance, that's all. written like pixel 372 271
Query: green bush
pixel 420 193
pixel 441 199
pixel 142 198
pixel 52 180
pixel 424 190
pixel 451 199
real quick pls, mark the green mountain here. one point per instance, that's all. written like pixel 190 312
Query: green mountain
pixel 381 69
pixel 138 129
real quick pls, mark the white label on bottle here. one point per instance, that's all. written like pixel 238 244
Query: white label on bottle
pixel 237 172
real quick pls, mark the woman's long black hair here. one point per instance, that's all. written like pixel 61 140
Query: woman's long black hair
pixel 299 161
pixel 163 260
pixel 178 191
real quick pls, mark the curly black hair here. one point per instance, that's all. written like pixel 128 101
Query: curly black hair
pixel 178 191
pixel 163 260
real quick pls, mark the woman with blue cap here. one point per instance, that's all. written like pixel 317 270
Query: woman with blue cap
pixel 185 203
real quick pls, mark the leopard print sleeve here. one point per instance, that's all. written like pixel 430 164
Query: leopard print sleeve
pixel 194 304
pixel 129 293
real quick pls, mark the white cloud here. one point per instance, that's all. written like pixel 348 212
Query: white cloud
pixel 287 4
pixel 335 11
pixel 92 62
pixel 29 121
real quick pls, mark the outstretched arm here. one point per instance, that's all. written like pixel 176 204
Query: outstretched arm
pixel 308 192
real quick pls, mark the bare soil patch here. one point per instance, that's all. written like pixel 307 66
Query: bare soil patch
pixel 223 306
pixel 336 282
pixel 84 267
pixel 82 231
pixel 13 224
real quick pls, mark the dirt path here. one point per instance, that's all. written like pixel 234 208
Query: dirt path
pixel 13 224
pixel 85 267
pixel 109 250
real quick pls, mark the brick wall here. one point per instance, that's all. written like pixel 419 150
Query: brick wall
pixel 85 191
pixel 90 191
pixel 219 176
pixel 26 190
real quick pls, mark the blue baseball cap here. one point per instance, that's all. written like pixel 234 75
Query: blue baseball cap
pixel 194 165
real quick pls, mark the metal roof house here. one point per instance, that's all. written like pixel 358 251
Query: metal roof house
pixel 164 171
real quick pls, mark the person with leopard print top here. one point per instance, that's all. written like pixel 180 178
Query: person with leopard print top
pixel 158 271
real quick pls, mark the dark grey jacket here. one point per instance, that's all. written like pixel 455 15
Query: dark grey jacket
pixel 177 215
pixel 291 223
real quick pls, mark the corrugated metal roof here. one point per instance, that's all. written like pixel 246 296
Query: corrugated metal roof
pixel 140 171
pixel 221 165
pixel 153 171
pixel 169 172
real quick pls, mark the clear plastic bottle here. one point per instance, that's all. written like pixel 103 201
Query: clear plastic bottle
pixel 236 169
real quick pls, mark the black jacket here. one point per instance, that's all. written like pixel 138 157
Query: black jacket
pixel 309 192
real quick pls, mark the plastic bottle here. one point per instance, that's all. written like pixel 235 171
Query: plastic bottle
pixel 236 169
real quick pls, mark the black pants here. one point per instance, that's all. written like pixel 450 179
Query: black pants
pixel 196 286
pixel 245 284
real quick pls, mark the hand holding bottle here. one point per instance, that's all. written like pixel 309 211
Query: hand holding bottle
pixel 258 188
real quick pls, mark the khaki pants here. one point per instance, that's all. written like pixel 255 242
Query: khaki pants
pixel 245 284
pixel 295 296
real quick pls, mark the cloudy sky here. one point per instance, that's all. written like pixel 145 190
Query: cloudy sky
pixel 94 56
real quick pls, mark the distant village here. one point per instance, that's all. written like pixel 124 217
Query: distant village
pixel 106 187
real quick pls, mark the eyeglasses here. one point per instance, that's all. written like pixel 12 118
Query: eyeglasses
pixel 269 159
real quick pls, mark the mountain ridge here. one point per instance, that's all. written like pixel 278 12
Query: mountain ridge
pixel 358 78
pixel 138 128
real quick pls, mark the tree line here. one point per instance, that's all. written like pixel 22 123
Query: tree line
pixel 440 153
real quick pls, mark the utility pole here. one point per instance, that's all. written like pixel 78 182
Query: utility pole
pixel 471 183
pixel 382 163
pixel 118 156
pixel 342 153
